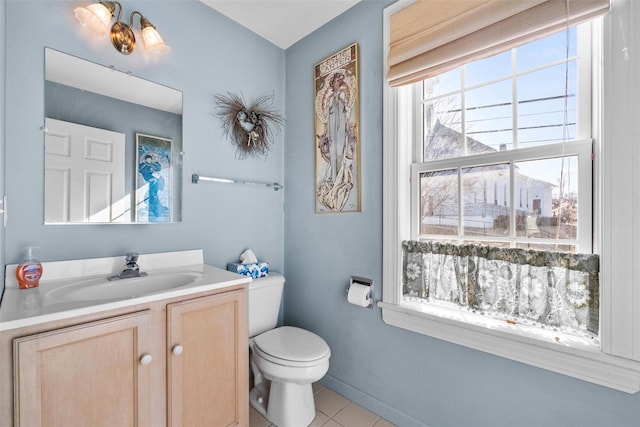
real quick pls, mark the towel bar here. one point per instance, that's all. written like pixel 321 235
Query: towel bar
pixel 195 178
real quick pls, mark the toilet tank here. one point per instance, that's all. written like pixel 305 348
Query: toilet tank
pixel 265 295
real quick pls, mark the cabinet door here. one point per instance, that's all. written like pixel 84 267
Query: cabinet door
pixel 208 361
pixel 88 375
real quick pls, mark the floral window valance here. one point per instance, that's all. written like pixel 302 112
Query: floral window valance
pixel 547 289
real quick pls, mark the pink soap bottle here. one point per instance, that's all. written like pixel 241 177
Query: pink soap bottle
pixel 29 272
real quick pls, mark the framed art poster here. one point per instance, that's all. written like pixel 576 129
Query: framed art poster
pixel 153 179
pixel 337 179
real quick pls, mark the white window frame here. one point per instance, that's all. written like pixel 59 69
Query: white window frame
pixel 581 149
pixel 615 362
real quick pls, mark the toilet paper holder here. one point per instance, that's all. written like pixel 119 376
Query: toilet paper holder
pixel 365 282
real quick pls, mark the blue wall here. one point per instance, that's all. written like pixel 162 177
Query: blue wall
pixel 410 379
pixel 210 54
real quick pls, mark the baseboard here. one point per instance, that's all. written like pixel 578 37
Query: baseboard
pixel 370 403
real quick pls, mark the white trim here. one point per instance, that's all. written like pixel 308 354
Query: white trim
pixel 396 159
pixel 573 148
pixel 617 239
pixel 615 160
pixel 582 363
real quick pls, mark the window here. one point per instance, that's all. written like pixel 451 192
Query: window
pixel 496 161
pixel 509 122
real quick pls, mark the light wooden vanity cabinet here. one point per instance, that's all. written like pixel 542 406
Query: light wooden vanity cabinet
pixel 176 362
pixel 91 374
pixel 208 365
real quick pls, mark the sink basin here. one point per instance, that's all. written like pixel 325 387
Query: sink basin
pixel 103 289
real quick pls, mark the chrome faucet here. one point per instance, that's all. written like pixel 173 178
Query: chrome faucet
pixel 131 269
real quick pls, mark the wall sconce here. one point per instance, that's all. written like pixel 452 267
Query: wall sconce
pixel 98 16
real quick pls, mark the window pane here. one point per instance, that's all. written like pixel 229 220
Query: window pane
pixel 546 50
pixel 489 117
pixel 552 247
pixel 493 243
pixel 522 98
pixel 547 198
pixel 486 200
pixel 487 69
pixel 439 202
pixel 541 105
pixel 443 84
pixel 443 131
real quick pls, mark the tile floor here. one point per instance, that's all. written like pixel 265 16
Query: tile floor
pixel 332 410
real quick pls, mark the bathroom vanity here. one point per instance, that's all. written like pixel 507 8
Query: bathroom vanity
pixel 176 355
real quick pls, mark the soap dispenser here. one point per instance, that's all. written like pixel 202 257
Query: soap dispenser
pixel 29 272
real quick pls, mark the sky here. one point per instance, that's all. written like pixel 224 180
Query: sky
pixel 543 91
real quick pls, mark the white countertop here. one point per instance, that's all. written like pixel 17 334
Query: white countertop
pixel 25 307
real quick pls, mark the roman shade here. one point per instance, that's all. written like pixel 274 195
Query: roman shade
pixel 429 37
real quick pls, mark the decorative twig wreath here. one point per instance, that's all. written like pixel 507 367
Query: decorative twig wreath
pixel 249 127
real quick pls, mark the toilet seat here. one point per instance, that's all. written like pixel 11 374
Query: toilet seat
pixel 291 346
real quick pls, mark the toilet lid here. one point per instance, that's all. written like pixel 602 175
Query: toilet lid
pixel 292 344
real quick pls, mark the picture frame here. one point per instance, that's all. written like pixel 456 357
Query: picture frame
pixel 154 164
pixel 337 136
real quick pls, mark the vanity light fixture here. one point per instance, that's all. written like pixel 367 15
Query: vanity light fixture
pixel 98 16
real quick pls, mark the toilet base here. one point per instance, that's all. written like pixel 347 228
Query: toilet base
pixel 259 398
pixel 284 404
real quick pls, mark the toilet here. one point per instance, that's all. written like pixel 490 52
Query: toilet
pixel 285 361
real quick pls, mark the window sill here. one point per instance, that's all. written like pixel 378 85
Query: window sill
pixel 573 357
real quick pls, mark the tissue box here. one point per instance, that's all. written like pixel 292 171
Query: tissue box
pixel 255 270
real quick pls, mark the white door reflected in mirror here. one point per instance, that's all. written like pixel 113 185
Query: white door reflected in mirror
pixel 84 174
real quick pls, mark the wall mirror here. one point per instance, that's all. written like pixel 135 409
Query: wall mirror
pixel 113 145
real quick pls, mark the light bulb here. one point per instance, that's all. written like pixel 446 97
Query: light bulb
pixel 153 42
pixel 95 16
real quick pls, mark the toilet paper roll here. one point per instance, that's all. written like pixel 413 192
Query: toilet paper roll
pixel 359 295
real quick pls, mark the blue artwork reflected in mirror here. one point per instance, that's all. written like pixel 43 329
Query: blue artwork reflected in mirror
pixel 153 183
